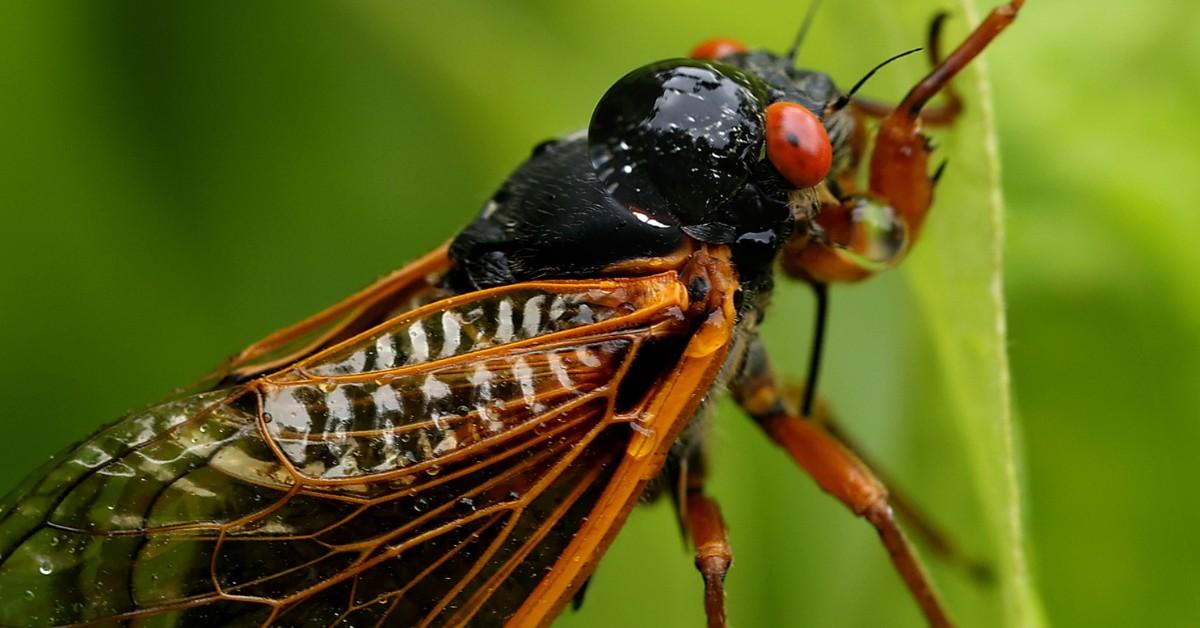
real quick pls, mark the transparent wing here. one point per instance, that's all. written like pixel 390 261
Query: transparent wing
pixel 404 289
pixel 425 472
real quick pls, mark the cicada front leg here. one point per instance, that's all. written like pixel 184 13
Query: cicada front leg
pixel 858 235
pixel 941 115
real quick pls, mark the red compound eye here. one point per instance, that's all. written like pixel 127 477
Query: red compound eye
pixel 716 48
pixel 797 144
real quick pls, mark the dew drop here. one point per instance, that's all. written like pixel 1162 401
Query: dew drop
pixel 45 568
pixel 641 429
pixel 878 238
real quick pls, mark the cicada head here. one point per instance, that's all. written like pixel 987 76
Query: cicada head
pixel 729 147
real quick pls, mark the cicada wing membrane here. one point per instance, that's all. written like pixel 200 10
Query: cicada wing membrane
pixel 429 471
pixel 408 287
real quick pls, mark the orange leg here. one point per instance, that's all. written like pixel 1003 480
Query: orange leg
pixel 899 173
pixel 919 522
pixel 942 115
pixel 838 472
pixel 868 233
pixel 701 520
pixel 713 555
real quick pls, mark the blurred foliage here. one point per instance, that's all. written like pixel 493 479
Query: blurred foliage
pixel 178 180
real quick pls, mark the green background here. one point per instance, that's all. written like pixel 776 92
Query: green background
pixel 176 181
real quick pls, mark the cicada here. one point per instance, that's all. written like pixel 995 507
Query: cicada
pixel 459 443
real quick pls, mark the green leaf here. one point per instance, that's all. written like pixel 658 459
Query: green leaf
pixel 958 286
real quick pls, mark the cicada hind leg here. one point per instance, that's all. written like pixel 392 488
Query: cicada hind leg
pixel 923 527
pixel 837 470
pixel 859 234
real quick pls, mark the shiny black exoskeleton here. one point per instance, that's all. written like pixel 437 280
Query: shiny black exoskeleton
pixel 675 149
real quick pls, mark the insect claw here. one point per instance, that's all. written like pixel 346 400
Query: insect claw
pixel 937 173
pixel 577 601
pixel 934 45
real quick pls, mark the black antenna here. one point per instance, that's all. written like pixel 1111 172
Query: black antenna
pixel 821 291
pixel 845 100
pixel 808 20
